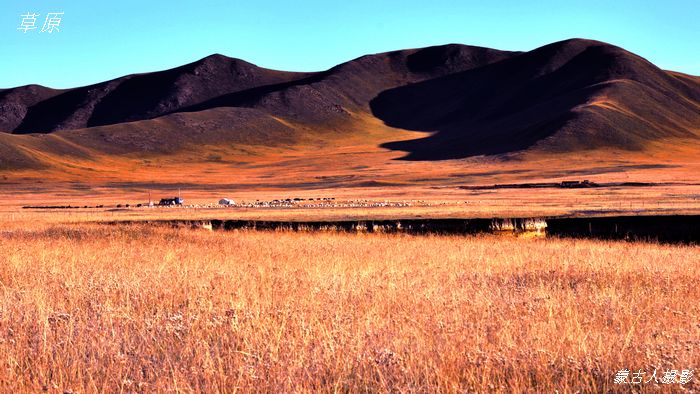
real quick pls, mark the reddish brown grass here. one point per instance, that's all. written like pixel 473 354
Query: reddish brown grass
pixel 92 308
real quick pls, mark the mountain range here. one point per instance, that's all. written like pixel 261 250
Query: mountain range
pixel 571 96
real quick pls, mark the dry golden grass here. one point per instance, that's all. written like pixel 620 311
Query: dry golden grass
pixel 352 166
pixel 92 308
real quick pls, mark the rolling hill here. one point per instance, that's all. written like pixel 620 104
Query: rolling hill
pixel 569 97
pixel 566 97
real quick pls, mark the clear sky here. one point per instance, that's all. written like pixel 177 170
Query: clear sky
pixel 104 39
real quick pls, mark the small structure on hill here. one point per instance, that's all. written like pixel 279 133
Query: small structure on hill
pixel 171 201
pixel 226 201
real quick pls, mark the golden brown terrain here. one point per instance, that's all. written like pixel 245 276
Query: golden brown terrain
pixel 418 133
pixel 414 124
pixel 357 169
pixel 92 308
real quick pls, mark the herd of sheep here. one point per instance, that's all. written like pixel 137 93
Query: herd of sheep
pixel 305 203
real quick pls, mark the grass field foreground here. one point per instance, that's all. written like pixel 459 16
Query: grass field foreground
pixel 93 308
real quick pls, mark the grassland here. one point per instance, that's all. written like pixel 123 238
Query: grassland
pixel 357 168
pixel 92 308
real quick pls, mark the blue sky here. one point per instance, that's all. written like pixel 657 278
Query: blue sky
pixel 100 40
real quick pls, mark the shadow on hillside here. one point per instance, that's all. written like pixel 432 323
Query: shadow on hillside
pixel 466 120
pixel 500 108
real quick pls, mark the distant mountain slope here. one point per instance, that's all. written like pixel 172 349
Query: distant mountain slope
pixel 219 81
pixel 351 86
pixel 15 103
pixel 568 96
pixel 140 96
